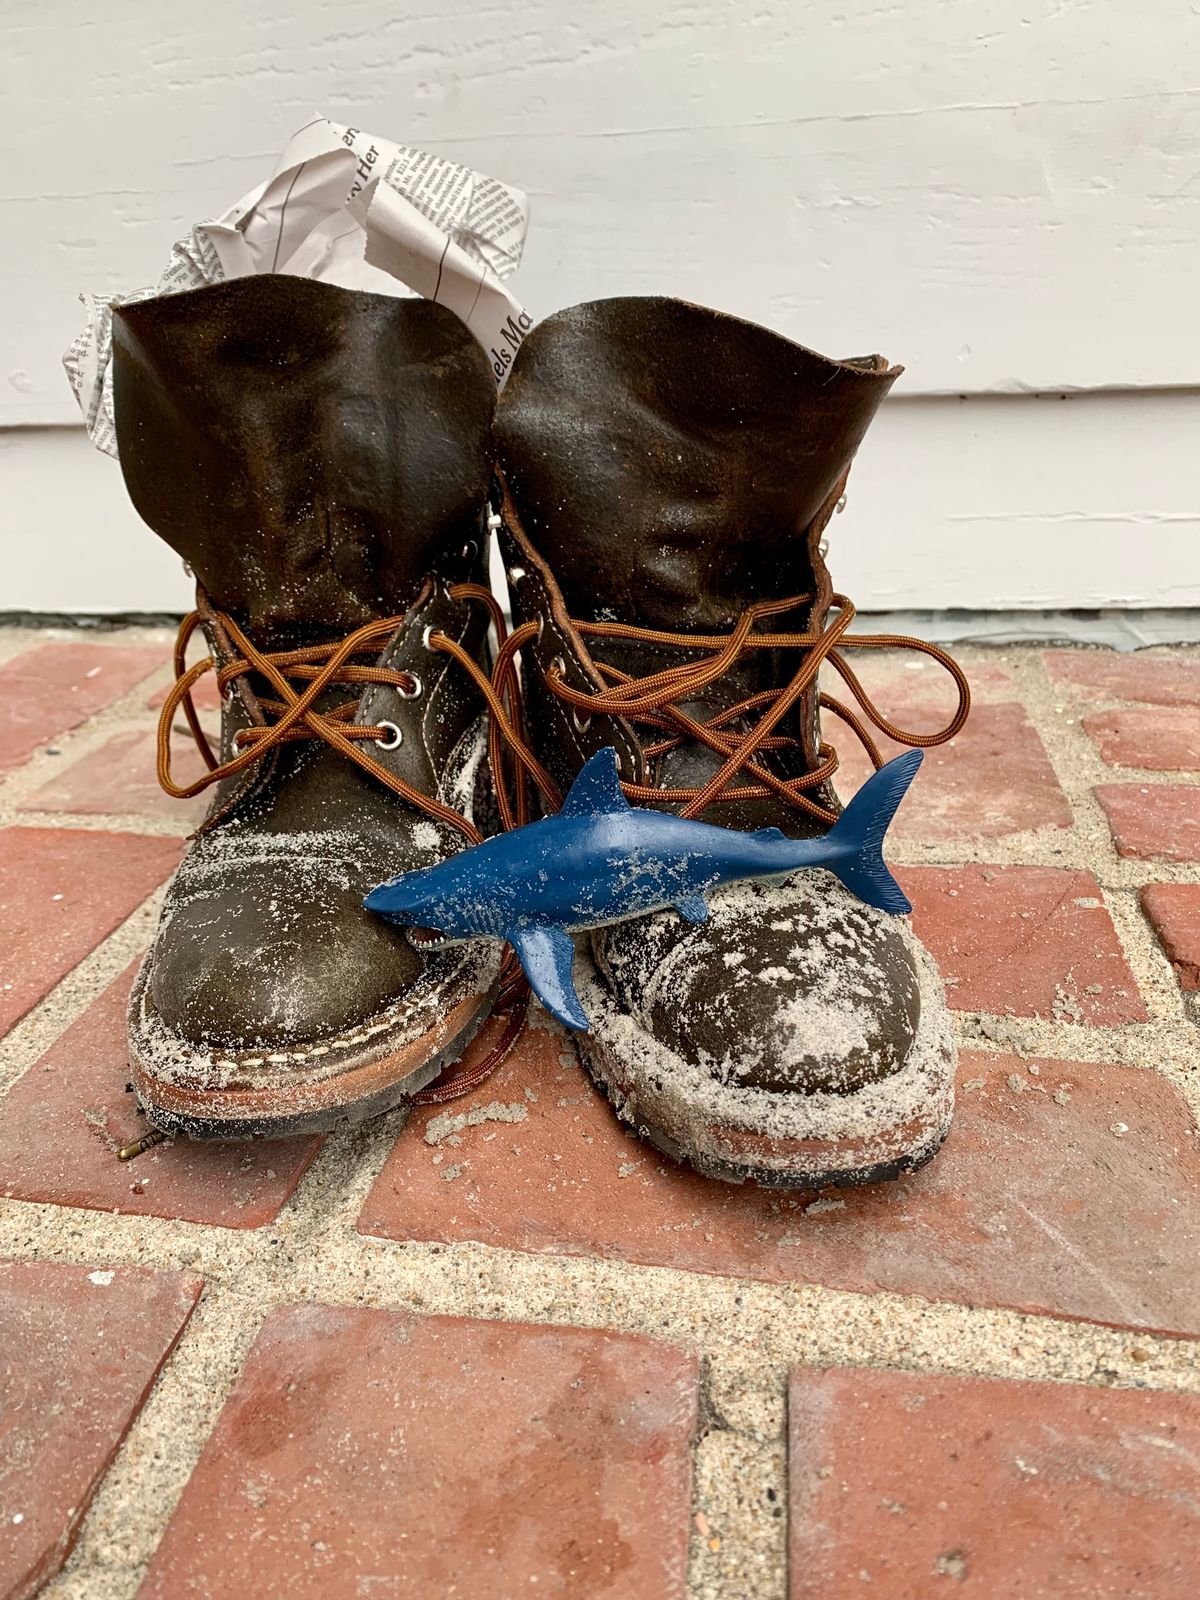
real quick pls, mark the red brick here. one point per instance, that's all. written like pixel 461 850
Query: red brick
pixel 371 1452
pixel 1174 911
pixel 1033 1203
pixel 119 777
pixel 903 683
pixel 1024 941
pixel 79 1351
pixel 992 779
pixel 47 691
pixel 1159 822
pixel 1137 677
pixel 63 1122
pixel 906 1485
pixel 1157 741
pixel 62 891
pixel 204 696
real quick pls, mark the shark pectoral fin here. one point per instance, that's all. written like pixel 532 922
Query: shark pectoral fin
pixel 548 955
pixel 693 908
pixel 597 788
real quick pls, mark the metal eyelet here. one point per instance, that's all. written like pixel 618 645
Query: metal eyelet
pixel 581 724
pixel 515 574
pixel 494 520
pixel 414 692
pixel 429 628
pixel 470 550
pixel 395 741
pixel 841 505
pixel 559 666
pixel 823 548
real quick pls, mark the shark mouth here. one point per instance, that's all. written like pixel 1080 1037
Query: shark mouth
pixel 427 938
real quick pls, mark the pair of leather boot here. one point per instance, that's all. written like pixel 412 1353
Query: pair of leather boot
pixel 331 465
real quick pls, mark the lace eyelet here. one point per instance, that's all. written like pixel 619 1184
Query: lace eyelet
pixel 470 550
pixel 396 740
pixel 558 668
pixel 425 637
pixel 415 691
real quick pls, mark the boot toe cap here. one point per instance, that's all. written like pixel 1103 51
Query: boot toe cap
pixel 290 957
pixel 794 988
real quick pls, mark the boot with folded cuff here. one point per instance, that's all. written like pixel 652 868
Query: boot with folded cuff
pixel 320 458
pixel 666 472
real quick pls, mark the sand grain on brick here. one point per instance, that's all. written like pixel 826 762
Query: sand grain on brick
pixel 1132 676
pixel 119 778
pixel 991 780
pixel 1024 941
pixel 1155 740
pixel 79 1350
pixel 1174 911
pixel 61 892
pixel 1017 1210
pixel 1159 822
pixel 910 1485
pixel 372 1452
pixel 56 687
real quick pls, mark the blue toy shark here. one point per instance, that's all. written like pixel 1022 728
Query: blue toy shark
pixel 601 861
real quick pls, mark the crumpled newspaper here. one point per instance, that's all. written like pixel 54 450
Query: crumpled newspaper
pixel 345 207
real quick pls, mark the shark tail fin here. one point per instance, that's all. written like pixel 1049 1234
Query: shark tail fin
pixel 860 830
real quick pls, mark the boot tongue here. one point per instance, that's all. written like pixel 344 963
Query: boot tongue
pixel 666 460
pixel 312 452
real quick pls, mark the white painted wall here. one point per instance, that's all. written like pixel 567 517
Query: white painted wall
pixel 1005 196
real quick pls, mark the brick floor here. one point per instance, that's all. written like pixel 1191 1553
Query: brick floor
pixel 1174 911
pixel 61 892
pixel 1027 941
pixel 68 1115
pixel 79 1351
pixel 907 1485
pixel 119 776
pixel 1017 1210
pixel 1159 823
pixel 993 779
pixel 370 1449
pixel 1155 740
pixel 53 688
pixel 1133 677
pixel 371 1452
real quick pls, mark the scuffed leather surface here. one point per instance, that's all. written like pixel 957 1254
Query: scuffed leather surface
pixel 668 466
pixel 315 454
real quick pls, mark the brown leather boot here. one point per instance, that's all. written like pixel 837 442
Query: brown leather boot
pixel 320 459
pixel 667 470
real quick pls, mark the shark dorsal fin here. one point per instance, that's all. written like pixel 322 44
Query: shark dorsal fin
pixel 597 788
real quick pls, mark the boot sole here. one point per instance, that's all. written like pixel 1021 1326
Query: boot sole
pixel 371 1083
pixel 872 1146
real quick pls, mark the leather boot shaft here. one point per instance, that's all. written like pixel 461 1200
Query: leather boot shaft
pixel 313 453
pixel 668 461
